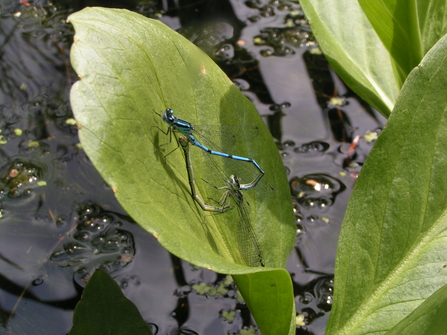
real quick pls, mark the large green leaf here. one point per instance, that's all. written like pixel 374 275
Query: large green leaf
pixel 354 50
pixel 408 29
pixel 130 65
pixel 429 318
pixel 393 244
pixel 104 309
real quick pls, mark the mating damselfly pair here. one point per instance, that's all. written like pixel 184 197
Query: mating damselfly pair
pixel 232 196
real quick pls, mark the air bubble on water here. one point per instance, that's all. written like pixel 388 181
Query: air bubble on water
pixel 109 246
pixel 310 203
pixel 296 208
pixel 324 202
pixel 287 144
pixel 299 230
pixel 37 282
pixel 99 240
pixel 27 192
pixel 57 256
pixel 316 190
pixel 312 218
pixel 266 52
pixel 312 147
pixel 306 298
pixel 75 248
pixel 88 210
pixel 254 18
pixel 83 236
pixel 61 220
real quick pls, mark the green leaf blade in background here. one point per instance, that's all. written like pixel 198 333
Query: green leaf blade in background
pixel 408 29
pixel 129 66
pixel 104 309
pixel 393 244
pixel 354 50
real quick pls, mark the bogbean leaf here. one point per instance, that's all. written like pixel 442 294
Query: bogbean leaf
pixel 104 309
pixel 407 29
pixel 429 318
pixel 130 66
pixel 354 50
pixel 392 249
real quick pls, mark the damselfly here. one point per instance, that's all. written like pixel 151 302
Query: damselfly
pixel 187 129
pixel 246 237
pixel 184 143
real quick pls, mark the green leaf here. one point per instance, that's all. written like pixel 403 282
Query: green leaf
pixel 393 244
pixel 354 50
pixel 254 286
pixel 104 309
pixel 129 66
pixel 429 318
pixel 408 29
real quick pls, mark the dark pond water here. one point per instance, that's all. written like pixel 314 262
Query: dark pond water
pixel 60 221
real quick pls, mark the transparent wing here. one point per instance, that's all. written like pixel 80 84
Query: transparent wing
pixel 246 237
pixel 229 135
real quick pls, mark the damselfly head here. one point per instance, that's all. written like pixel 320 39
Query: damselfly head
pixel 168 115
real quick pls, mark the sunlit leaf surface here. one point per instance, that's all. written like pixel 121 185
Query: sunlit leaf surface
pixel 393 244
pixel 130 66
pixel 408 29
pixel 354 50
